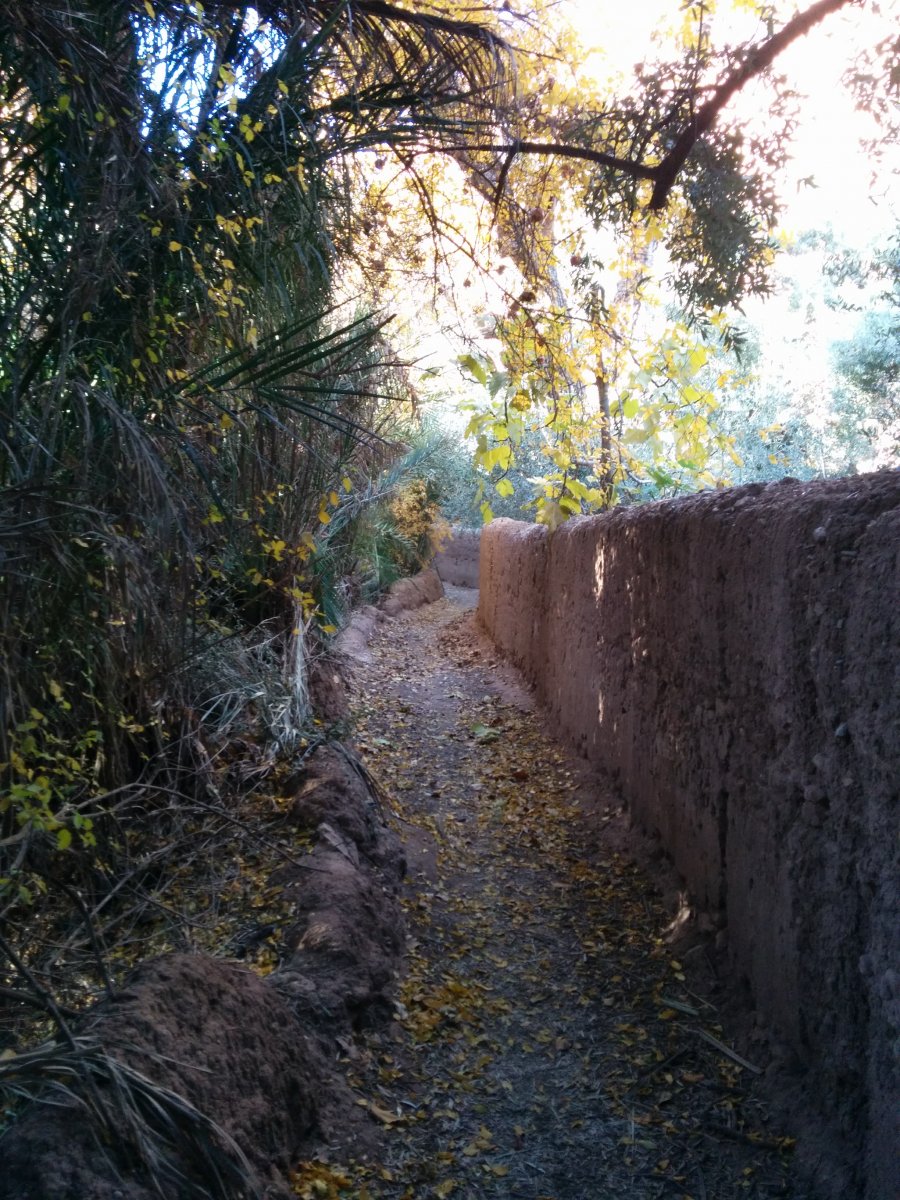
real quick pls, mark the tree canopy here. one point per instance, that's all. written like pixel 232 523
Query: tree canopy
pixel 615 229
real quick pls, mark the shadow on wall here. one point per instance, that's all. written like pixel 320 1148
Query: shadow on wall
pixel 731 660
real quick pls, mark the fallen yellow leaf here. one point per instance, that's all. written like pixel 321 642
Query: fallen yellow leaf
pixel 382 1114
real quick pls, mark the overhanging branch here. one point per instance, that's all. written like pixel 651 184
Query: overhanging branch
pixel 664 174
pixel 561 150
pixel 754 64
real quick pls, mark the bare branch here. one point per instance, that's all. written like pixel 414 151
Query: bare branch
pixel 561 150
pixel 755 63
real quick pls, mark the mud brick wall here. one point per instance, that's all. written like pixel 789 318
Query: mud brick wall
pixel 731 660
pixel 457 559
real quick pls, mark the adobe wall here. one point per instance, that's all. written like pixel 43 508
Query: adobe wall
pixel 731 659
pixel 457 560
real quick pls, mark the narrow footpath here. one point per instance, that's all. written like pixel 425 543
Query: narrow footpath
pixel 552 1041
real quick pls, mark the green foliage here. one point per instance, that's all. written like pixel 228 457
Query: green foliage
pixel 180 396
pixel 378 533
pixel 461 486
pixel 868 362
pixel 816 396
pixel 653 432
pixel 722 247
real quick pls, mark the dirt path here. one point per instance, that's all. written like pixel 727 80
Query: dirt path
pixel 550 1043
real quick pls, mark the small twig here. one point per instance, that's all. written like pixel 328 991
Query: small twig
pixel 713 1128
pixel 661 1066
pixel 726 1050
pixel 76 939
pixel 357 765
pixel 501 179
pixel 95 938
pixel 15 838
pixel 703 1003
pixel 217 810
pixel 17 996
pixel 680 1006
pixel 137 869
pixel 239 821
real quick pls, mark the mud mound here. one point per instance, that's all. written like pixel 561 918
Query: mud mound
pixel 348 934
pixel 256 1057
pixel 206 1030
pixel 334 789
pixel 412 593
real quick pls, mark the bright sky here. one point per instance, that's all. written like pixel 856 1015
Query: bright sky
pixel 827 145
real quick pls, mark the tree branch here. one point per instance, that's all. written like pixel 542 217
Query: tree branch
pixel 754 64
pixel 560 150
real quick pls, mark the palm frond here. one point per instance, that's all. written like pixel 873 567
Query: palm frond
pixel 150 1126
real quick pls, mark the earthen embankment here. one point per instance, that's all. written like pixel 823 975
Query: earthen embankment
pixel 731 661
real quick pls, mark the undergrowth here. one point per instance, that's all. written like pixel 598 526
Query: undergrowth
pixel 198 453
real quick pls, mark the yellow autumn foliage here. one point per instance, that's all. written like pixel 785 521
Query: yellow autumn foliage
pixel 414 513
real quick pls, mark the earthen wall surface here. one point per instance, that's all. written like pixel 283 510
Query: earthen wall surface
pixel 457 560
pixel 731 660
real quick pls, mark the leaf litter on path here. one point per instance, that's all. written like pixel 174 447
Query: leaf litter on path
pixel 547 1044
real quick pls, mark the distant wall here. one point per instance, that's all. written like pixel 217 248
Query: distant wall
pixel 457 560
pixel 732 661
